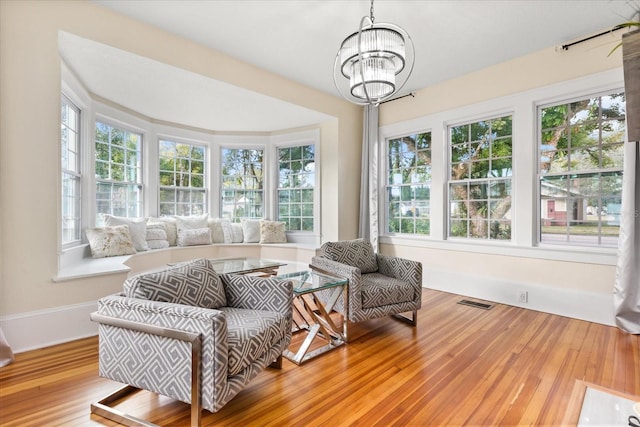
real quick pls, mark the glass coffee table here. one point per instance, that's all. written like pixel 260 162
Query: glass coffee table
pixel 312 314
pixel 265 267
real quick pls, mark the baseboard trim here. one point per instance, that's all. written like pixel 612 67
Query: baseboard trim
pixel 590 306
pixel 42 328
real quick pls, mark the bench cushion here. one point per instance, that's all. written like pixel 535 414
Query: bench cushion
pixel 251 333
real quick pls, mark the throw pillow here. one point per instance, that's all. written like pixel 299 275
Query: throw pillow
pixel 170 225
pixel 137 228
pixel 236 233
pixel 193 237
pixel 356 253
pixel 110 241
pixel 220 230
pixel 251 230
pixel 191 222
pixel 193 283
pixel 273 232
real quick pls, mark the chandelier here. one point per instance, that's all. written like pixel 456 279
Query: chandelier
pixel 373 63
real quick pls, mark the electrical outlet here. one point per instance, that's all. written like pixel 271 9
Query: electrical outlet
pixel 523 296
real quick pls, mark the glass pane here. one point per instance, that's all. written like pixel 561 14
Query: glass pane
pixel 459 228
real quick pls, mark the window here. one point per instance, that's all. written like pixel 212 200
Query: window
pixel 242 192
pixel 409 184
pixel 580 170
pixel 71 176
pixel 182 178
pixel 480 180
pixel 118 172
pixel 296 182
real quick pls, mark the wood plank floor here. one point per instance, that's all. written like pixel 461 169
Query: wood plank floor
pixel 461 366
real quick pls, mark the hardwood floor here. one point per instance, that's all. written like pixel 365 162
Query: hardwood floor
pixel 461 366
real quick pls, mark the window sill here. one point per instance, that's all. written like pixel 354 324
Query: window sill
pixel 589 255
pixel 77 263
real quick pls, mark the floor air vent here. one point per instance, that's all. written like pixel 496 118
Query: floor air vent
pixel 476 304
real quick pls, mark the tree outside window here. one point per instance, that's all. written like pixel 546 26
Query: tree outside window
pixel 409 184
pixel 296 183
pixel 242 194
pixel 118 159
pixel 182 178
pixel 580 170
pixel 480 179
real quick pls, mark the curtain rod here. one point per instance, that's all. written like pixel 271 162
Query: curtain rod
pixel 412 94
pixel 568 45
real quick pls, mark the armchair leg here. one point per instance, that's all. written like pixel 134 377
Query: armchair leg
pixel 103 409
pixel 413 320
pixel 277 364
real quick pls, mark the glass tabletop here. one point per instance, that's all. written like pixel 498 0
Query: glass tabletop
pixel 311 280
pixel 244 265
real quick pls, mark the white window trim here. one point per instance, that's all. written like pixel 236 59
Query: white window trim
pixel 523 106
pixel 207 167
pixel 295 139
pixel 383 200
pixel 483 180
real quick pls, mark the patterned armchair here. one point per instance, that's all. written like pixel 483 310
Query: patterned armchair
pixel 379 285
pixel 192 335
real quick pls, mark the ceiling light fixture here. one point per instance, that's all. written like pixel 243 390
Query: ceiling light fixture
pixel 374 63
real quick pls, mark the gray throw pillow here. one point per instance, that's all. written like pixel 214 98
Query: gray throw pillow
pixel 356 253
pixel 193 283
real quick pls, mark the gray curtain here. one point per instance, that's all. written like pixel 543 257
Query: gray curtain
pixel 626 294
pixel 368 228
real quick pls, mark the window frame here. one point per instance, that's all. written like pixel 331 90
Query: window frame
pixel 482 181
pixel 264 190
pixel 387 187
pixel 523 106
pixel 141 166
pixel 205 176
pixel 77 175
pixel 600 171
pixel 312 188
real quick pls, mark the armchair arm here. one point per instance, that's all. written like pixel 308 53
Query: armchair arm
pixel 343 270
pixel 128 355
pixel 401 268
pixel 258 293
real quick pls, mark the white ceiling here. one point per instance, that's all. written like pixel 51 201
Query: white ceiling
pixel 299 40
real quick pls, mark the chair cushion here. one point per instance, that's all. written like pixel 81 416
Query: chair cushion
pixel 356 253
pixel 192 283
pixel 379 290
pixel 250 334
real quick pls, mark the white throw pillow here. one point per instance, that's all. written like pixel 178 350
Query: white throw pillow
pixel 196 236
pixel 137 228
pixel 110 241
pixel 236 233
pixel 220 230
pixel 273 232
pixel 170 226
pixel 191 222
pixel 251 230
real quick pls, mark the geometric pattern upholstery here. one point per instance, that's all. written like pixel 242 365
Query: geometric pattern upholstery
pixel 379 290
pixel 395 288
pixel 237 342
pixel 356 253
pixel 193 283
pixel 250 333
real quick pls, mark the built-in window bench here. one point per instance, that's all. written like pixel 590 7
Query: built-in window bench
pixel 77 263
